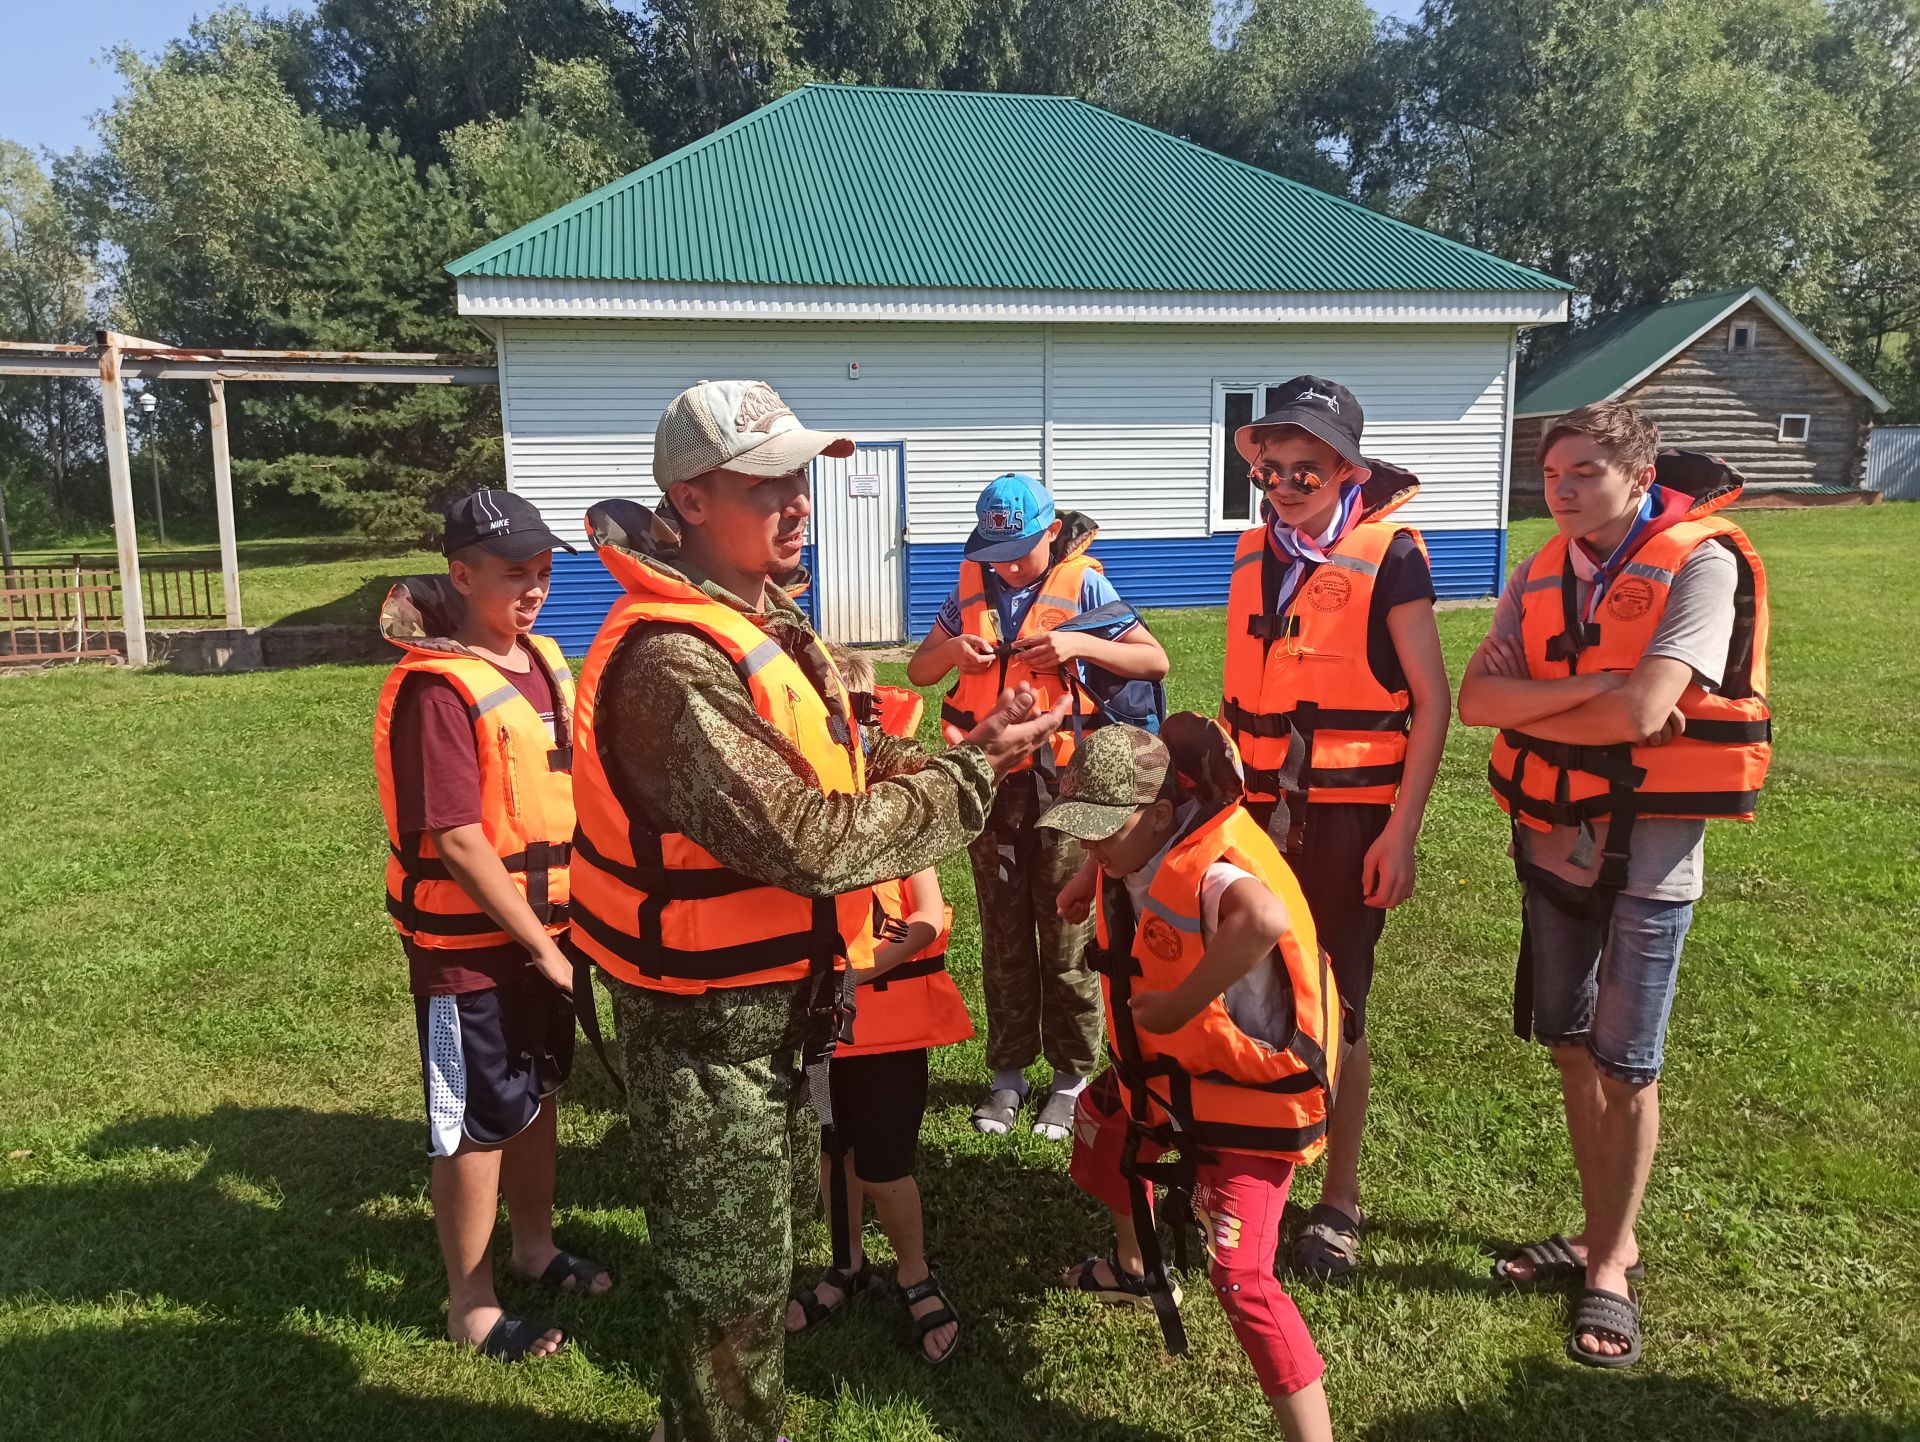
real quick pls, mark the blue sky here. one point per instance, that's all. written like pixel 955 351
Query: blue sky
pixel 53 76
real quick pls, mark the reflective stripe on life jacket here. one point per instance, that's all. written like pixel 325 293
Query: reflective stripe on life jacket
pixel 1299 696
pixel 657 909
pixel 1717 767
pixel 972 697
pixel 526 793
pixel 1209 1085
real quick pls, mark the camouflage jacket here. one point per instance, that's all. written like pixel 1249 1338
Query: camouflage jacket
pixel 686 751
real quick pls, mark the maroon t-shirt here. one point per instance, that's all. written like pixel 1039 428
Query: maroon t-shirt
pixel 436 786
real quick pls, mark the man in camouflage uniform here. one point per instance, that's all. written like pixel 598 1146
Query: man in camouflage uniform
pixel 712 1076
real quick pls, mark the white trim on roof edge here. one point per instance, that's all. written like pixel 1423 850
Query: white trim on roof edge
pixel 508 296
pixel 1808 341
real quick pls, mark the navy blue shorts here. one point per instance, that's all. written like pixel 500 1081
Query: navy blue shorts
pixel 487 1058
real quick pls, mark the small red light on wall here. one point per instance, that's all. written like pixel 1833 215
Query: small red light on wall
pixel 853 370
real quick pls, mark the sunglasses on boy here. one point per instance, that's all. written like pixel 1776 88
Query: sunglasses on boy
pixel 1303 478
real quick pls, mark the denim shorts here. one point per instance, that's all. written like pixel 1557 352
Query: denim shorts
pixel 1607 985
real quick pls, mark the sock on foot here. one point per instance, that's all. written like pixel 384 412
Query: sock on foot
pixel 1068 1086
pixel 1011 1081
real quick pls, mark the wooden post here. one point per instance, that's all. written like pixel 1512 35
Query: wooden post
pixel 113 413
pixel 223 500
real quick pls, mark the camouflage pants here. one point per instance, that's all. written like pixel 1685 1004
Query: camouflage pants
pixel 1041 997
pixel 712 1091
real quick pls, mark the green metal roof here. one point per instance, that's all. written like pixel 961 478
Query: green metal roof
pixel 859 186
pixel 1603 360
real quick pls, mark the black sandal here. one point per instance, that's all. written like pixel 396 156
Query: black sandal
pixel 512 1339
pixel 566 1268
pixel 1130 1290
pixel 848 1284
pixel 922 1326
pixel 1608 1315
pixel 1554 1261
pixel 1328 1246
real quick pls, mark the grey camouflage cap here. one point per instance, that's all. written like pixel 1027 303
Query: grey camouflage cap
pixel 1116 771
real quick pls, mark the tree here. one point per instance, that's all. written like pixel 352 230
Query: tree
pixel 570 136
pixel 47 425
pixel 1640 151
pixel 1873 63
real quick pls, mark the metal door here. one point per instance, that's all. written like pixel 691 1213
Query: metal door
pixel 859 544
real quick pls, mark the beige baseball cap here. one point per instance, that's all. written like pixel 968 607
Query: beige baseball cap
pixel 740 426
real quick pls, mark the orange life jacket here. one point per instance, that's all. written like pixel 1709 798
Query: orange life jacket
pixel 657 909
pixel 915 1004
pixel 1300 699
pixel 972 697
pixel 896 710
pixel 526 792
pixel 1718 765
pixel 1209 1085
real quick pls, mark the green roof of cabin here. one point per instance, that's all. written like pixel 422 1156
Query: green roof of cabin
pixel 835 185
pixel 1604 359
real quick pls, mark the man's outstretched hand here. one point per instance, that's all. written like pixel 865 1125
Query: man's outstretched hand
pixel 1012 731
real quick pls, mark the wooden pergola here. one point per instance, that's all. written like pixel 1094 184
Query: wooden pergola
pixel 113 359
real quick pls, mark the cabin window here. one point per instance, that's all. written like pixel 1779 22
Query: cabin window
pixel 1236 404
pixel 1793 428
pixel 1740 336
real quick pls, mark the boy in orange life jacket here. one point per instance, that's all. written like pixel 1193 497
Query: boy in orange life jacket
pixel 1026 571
pixel 1214 977
pixel 1603 931
pixel 1337 696
pixel 905 1005
pixel 471 743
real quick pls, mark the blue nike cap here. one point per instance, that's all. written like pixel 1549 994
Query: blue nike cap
pixel 1014 510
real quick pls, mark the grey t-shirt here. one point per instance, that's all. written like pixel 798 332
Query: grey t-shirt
pixel 1665 862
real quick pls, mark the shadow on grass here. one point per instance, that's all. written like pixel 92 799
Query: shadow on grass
pixel 224 1253
pixel 213 1379
pixel 358 607
pixel 999 1233
pixel 1555 1402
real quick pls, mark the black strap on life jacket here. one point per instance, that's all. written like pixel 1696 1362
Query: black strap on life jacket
pixel 830 1013
pixel 586 1010
pixel 1116 962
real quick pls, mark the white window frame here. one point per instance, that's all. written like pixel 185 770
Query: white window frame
pixel 1733 335
pixel 1806 428
pixel 1218 449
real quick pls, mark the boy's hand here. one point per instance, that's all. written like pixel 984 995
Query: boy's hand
pixel 1672 729
pixel 1076 897
pixel 1504 657
pixel 1050 650
pixel 555 967
pixel 1158 1012
pixel 1387 874
pixel 971 654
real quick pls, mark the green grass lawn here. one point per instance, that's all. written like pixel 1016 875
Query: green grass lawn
pixel 284 581
pixel 212 1209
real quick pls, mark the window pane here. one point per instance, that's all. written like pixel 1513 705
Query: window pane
pixel 1236 492
pixel 1270 399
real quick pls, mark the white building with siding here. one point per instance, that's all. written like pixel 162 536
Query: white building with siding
pixel 1107 340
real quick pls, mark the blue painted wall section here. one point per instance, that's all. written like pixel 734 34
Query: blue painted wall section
pixel 1158 572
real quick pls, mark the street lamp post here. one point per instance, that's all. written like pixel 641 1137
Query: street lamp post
pixel 149 403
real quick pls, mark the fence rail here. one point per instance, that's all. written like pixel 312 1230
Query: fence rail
pixel 67 612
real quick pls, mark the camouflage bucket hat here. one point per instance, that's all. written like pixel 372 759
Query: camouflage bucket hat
pixel 1116 771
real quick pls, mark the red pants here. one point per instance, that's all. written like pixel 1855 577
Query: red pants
pixel 1239 1201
